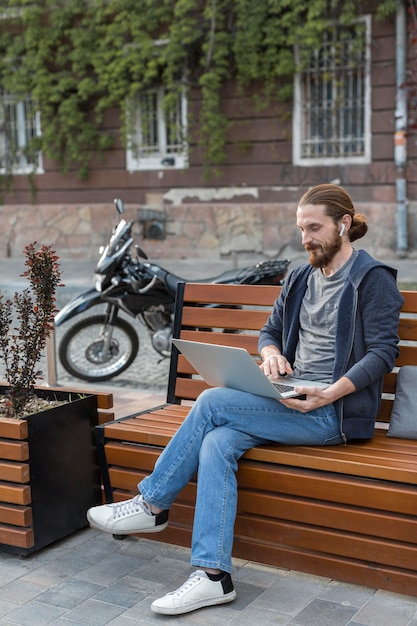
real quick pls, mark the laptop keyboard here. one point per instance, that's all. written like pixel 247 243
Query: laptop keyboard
pixel 283 388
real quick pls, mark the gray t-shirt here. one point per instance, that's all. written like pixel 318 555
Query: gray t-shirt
pixel 314 355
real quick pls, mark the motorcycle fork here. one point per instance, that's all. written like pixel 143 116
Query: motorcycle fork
pixel 107 333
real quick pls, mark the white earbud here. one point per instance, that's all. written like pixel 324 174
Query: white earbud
pixel 342 230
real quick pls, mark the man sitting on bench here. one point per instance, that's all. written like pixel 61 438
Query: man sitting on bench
pixel 335 321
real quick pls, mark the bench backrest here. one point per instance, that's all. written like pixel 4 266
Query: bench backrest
pixel 233 314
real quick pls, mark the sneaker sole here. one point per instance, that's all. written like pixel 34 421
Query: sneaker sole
pixel 113 531
pixel 178 610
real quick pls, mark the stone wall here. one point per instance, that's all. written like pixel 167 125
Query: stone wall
pixel 212 230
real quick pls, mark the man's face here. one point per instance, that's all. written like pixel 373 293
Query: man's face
pixel 320 235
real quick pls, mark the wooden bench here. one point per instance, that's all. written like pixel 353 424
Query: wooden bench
pixel 344 512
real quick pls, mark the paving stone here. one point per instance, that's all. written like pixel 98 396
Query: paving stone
pixel 6 607
pixel 121 620
pixel 20 591
pixel 49 575
pixel 325 613
pixel 261 617
pixel 126 592
pixel 110 569
pixel 257 574
pixel 290 595
pixel 350 595
pixel 70 593
pixel 34 614
pixel 12 568
pixel 246 594
pixel 386 609
pixel 164 570
pixel 93 613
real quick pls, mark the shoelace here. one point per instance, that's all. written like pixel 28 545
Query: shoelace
pixel 189 583
pixel 121 509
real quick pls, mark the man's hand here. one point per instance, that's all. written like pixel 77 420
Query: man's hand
pixel 316 397
pixel 273 363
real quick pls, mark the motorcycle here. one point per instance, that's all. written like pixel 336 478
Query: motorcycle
pixel 101 346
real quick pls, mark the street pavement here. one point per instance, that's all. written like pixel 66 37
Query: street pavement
pixel 92 579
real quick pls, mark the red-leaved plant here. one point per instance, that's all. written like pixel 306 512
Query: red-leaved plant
pixel 25 325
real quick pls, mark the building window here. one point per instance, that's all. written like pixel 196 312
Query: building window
pixel 331 122
pixel 158 140
pixel 19 126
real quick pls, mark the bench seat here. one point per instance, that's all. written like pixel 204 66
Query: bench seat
pixel 346 512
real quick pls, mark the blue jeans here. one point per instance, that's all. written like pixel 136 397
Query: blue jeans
pixel 220 427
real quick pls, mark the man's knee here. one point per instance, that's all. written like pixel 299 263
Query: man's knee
pixel 214 396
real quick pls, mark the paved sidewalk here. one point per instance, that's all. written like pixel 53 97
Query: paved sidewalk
pixel 93 579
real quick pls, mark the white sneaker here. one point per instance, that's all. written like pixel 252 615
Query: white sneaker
pixel 127 517
pixel 198 591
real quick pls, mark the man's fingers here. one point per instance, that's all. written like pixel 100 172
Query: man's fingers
pixel 275 365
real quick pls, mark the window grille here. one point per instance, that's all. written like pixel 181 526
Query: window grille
pixel 19 125
pixel 158 140
pixel 332 100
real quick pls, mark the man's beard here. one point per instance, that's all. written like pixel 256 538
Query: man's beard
pixel 321 255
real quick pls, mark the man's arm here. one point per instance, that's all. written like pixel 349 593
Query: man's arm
pixel 380 303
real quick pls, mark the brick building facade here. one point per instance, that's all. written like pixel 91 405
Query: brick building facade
pixel 248 207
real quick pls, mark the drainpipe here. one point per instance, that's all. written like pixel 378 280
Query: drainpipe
pixel 400 139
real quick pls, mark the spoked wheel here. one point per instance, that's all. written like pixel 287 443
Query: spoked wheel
pixel 93 350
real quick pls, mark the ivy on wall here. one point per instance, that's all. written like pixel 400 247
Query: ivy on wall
pixel 81 58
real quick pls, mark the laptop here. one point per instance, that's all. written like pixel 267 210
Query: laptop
pixel 226 366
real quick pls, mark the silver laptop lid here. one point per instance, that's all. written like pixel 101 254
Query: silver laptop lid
pixel 226 366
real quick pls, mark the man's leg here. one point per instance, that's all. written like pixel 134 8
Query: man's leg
pixel 221 426
pixel 235 417
pixel 176 466
pixel 243 422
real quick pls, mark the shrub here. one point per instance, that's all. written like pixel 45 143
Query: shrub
pixel 26 322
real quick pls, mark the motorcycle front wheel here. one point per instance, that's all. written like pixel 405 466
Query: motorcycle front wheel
pixel 94 351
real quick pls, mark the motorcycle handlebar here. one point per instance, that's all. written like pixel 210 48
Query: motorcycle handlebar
pixel 149 286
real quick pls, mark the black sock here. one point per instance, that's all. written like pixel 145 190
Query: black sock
pixel 216 577
pixel 225 579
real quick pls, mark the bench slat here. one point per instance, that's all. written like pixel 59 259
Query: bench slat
pixel 329 515
pixel 410 301
pixel 259 295
pixel 408 356
pixel 408 329
pixel 221 318
pixel 247 341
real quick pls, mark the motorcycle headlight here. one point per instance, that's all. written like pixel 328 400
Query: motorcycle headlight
pixel 99 281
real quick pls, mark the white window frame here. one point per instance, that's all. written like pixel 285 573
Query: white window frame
pixel 157 155
pixel 19 123
pixel 301 130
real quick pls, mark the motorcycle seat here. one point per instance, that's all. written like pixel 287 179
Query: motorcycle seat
pixel 171 281
pixel 267 270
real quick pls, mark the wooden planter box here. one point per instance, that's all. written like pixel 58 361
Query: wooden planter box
pixel 49 474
